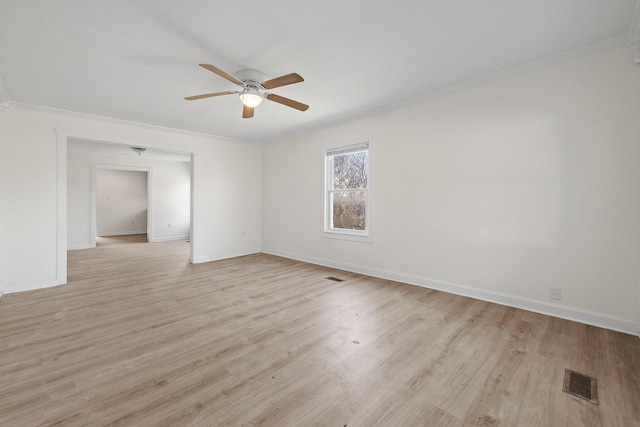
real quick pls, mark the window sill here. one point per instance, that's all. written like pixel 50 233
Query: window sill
pixel 347 236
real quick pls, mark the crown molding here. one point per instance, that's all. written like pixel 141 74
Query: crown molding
pixel 426 96
pixel 51 110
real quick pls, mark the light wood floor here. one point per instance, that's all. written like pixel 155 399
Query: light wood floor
pixel 139 337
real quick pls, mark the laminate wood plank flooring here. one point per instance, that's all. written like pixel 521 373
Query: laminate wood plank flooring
pixel 140 337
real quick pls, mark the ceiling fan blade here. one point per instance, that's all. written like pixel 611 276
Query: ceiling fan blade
pixel 223 74
pixel 208 95
pixel 283 81
pixel 247 112
pixel 288 102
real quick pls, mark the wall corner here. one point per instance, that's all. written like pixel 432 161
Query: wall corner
pixel 4 98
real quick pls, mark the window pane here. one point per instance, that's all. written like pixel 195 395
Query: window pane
pixel 350 170
pixel 349 210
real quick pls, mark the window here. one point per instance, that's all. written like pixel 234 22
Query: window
pixel 347 186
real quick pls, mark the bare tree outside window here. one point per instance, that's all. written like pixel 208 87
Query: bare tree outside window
pixel 349 211
pixel 348 191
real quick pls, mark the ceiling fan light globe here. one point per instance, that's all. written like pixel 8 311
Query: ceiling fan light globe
pixel 250 99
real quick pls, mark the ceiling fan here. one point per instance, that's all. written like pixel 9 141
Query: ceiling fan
pixel 254 89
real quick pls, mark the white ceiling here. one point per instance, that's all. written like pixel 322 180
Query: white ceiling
pixel 137 60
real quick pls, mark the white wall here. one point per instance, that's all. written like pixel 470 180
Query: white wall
pixel 122 202
pixel 171 198
pixel 499 191
pixel 505 189
pixel 227 191
pixel 170 195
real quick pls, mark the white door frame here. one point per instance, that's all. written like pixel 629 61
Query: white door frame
pixel 95 167
pixel 62 138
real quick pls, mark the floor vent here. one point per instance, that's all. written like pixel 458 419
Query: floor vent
pixel 335 279
pixel 580 385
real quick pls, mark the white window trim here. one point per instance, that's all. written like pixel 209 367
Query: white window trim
pixel 341 234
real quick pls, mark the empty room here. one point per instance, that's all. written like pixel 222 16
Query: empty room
pixel 320 214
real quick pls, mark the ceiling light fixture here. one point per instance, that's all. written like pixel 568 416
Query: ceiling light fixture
pixel 139 150
pixel 251 97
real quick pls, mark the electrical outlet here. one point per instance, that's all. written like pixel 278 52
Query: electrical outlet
pixel 169 225
pixel 132 221
pixel 554 294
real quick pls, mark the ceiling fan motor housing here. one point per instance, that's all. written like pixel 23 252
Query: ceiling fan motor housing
pixel 251 77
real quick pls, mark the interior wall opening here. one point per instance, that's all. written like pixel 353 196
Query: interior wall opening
pixel 122 203
pixel 169 192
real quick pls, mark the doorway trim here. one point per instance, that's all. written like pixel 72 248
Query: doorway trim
pixel 95 167
pixel 62 138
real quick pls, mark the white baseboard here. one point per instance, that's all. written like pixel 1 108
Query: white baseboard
pixel 225 255
pixel 79 246
pixel 168 239
pixel 122 233
pixel 564 312
pixel 23 287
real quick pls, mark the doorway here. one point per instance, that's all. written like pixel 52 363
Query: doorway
pixel 67 215
pixel 122 201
